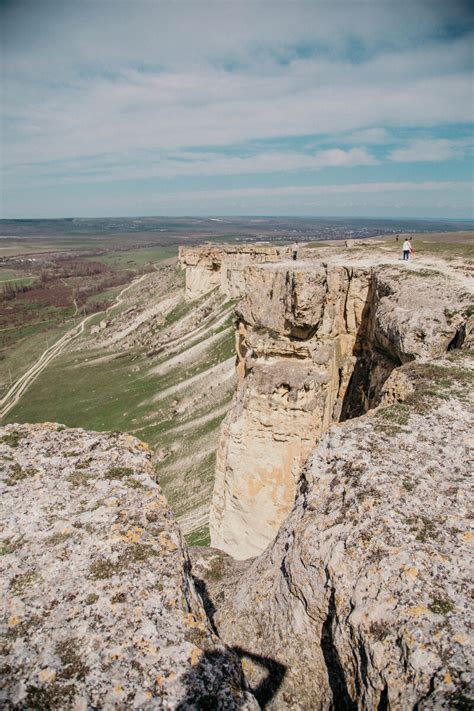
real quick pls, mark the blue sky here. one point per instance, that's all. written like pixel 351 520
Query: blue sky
pixel 146 107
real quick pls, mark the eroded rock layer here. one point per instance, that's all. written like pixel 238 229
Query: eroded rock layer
pixel 296 336
pixel 315 344
pixel 223 266
pixel 362 601
pixel 100 608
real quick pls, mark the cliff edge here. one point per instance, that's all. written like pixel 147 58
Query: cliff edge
pixel 100 607
pixel 363 597
pixel 316 342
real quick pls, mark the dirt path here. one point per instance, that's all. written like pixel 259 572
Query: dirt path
pixel 24 381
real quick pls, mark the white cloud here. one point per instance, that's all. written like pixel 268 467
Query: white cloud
pixel 429 150
pixel 350 188
pixel 212 107
pixel 369 136
pixel 188 164
pixel 101 91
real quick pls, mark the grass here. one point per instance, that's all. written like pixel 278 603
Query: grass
pixel 391 420
pixel 118 396
pixel 316 245
pixel 444 249
pixel 199 537
pixel 12 439
pixel 136 553
pixel 433 381
pixel 23 581
pixel 441 606
pixel 136 258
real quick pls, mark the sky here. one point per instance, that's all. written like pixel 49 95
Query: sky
pixel 236 107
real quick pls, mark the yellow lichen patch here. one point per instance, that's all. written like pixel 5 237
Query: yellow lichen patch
pixel 159 680
pixel 47 675
pixel 133 535
pixel 418 610
pixel 468 536
pixel 448 679
pixel 191 621
pixel 411 572
pixel 195 656
pixel 118 689
pixel 166 542
pixel 461 638
pixel 13 621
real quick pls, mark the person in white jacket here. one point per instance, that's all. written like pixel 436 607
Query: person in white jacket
pixel 406 249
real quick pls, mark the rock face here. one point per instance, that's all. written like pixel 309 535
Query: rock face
pixel 100 608
pixel 295 341
pixel 363 598
pixel 315 344
pixel 223 266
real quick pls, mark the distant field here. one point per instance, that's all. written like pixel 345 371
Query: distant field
pixel 40 300
pixel 136 258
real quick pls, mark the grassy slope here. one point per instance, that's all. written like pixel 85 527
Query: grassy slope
pixel 79 390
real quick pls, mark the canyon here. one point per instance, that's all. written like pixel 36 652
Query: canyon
pixel 338 576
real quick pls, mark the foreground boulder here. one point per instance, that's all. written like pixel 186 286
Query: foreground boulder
pixel 363 598
pixel 100 608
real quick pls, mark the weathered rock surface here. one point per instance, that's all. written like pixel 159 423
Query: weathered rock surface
pixel 315 344
pixel 296 337
pixel 100 610
pixel 223 266
pixel 363 598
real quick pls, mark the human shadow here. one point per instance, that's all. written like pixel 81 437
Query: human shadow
pixel 218 681
pixel 222 670
pixel 266 690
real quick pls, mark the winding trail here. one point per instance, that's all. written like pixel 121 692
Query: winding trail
pixel 18 388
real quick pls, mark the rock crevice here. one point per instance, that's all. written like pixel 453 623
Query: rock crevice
pixel 316 344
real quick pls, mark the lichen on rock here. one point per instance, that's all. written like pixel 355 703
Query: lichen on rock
pixel 100 608
pixel 363 597
pixel 316 343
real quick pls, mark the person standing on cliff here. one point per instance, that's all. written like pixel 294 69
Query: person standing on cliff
pixel 406 249
pixel 295 250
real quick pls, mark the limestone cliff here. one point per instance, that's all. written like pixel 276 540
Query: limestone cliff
pixel 315 344
pixel 100 608
pixel 362 601
pixel 223 266
pixel 296 335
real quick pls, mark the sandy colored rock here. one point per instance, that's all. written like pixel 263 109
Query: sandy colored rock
pixel 296 336
pixel 363 598
pixel 212 266
pixel 315 344
pixel 100 608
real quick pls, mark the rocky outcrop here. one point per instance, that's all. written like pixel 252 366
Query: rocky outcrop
pixel 315 345
pixel 363 598
pixel 223 266
pixel 100 608
pixel 296 336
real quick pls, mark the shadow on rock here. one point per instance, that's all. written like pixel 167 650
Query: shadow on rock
pixel 228 675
